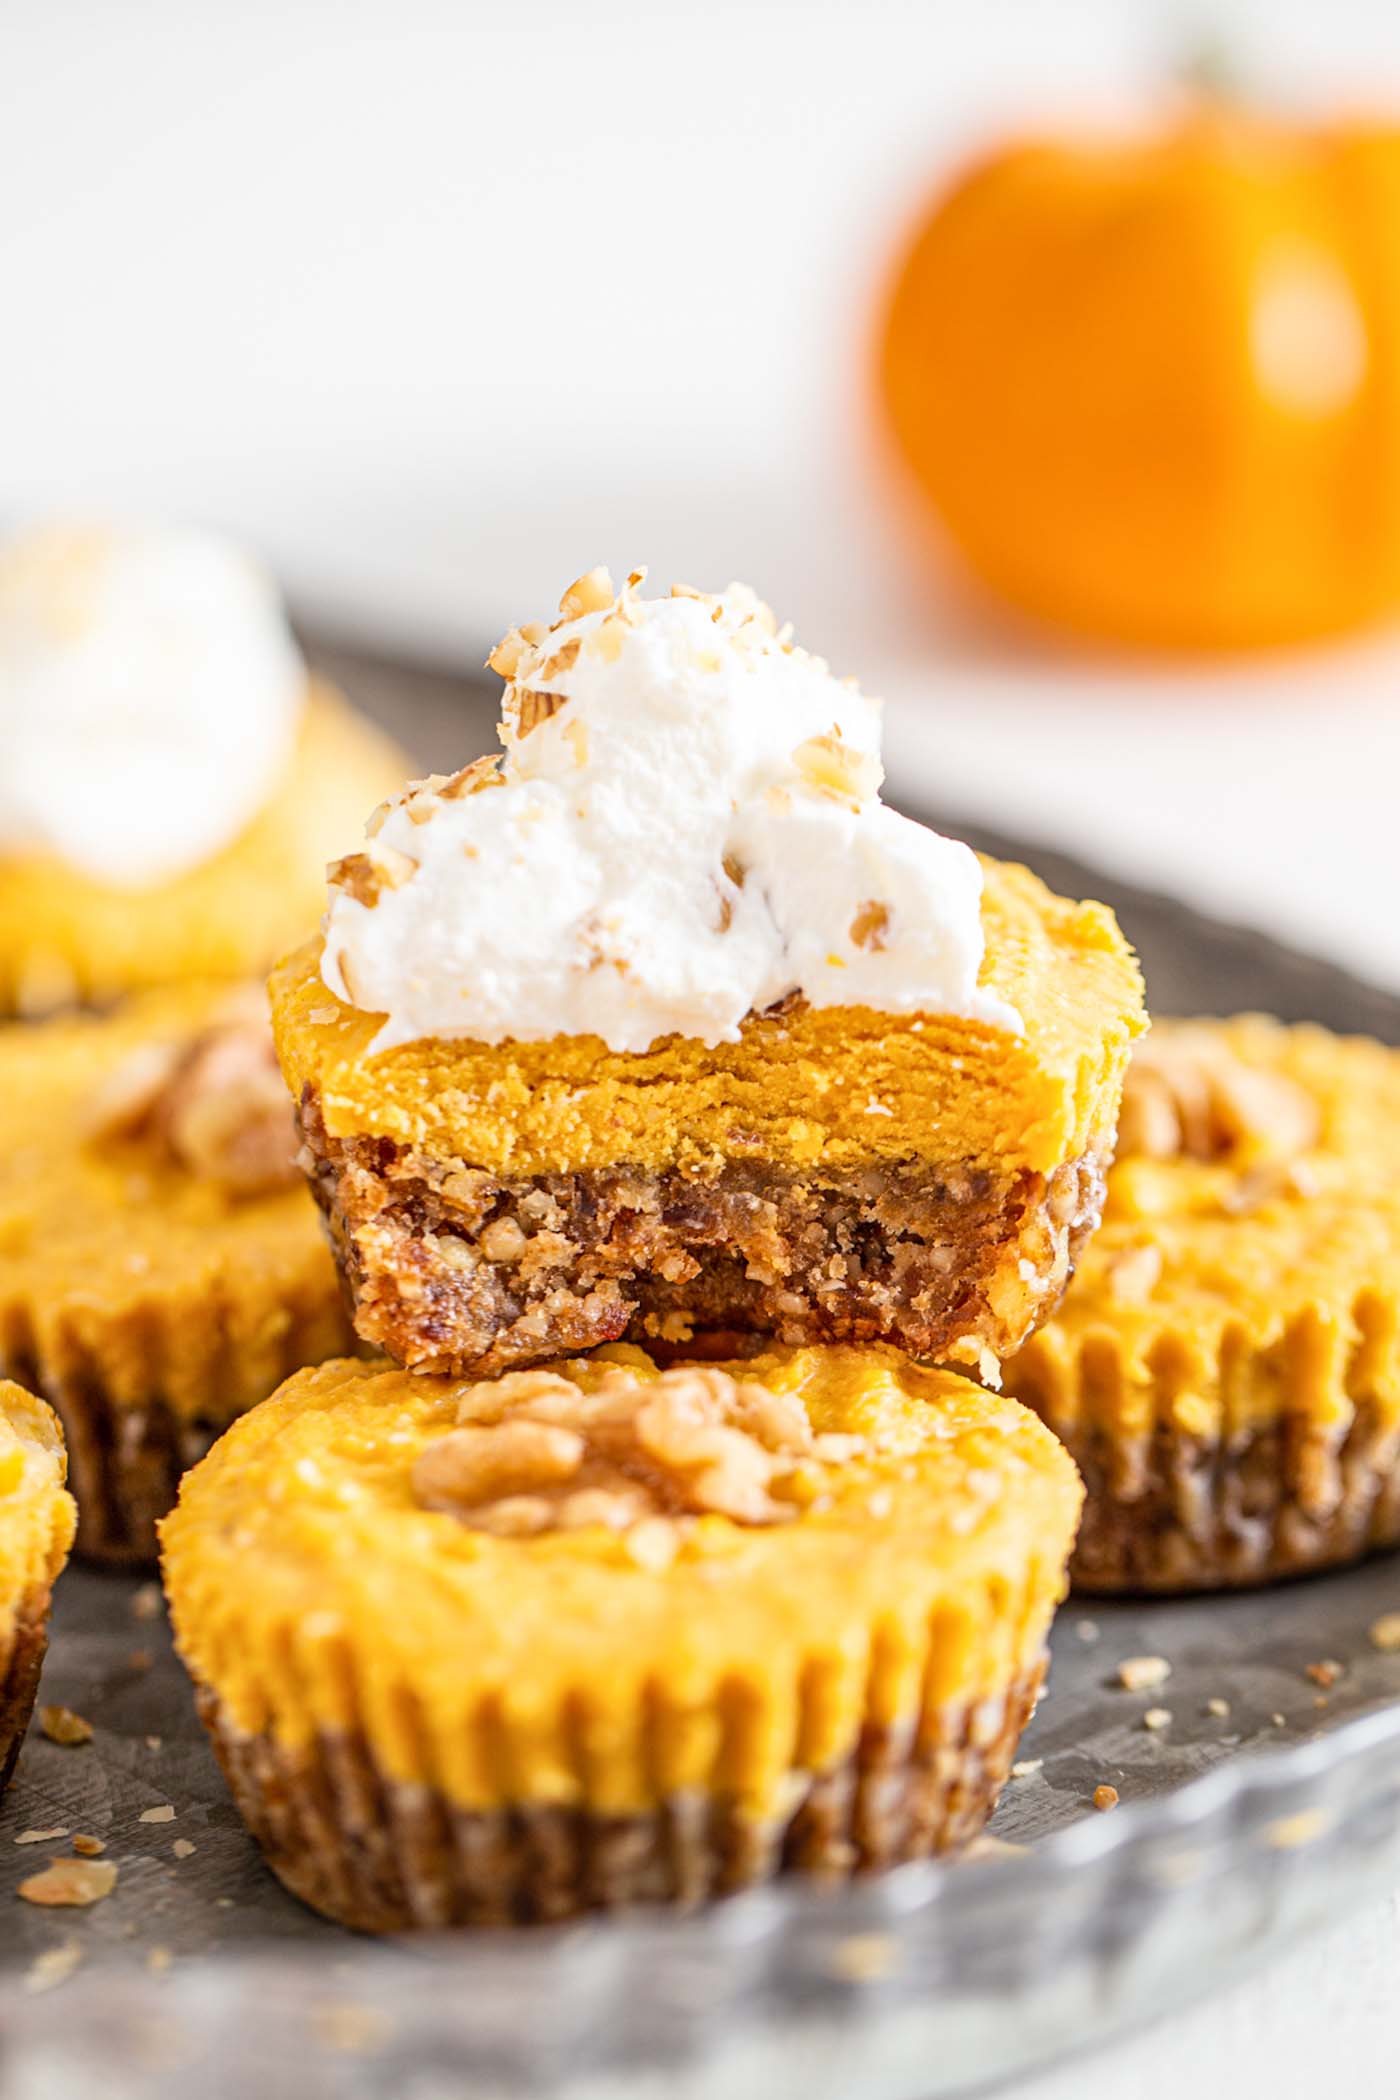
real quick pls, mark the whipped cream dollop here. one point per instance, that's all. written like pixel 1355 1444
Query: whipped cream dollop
pixel 684 826
pixel 150 695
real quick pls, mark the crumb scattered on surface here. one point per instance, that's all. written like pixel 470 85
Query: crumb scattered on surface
pixel 42 1837
pixel 1156 1717
pixel 1287 1831
pixel 1218 1709
pixel 1143 1673
pixel 88 1847
pixel 164 1814
pixel 1105 1797
pixel 1278 1720
pixel 986 1846
pixel 158 1960
pixel 1025 1767
pixel 61 1725
pixel 153 1742
pixel 140 1660
pixel 1384 1632
pixel 352 2030
pixel 1323 1673
pixel 863 1957
pixel 145 1602
pixel 53 1967
pixel 182 1848
pixel 1087 1630
pixel 66 1882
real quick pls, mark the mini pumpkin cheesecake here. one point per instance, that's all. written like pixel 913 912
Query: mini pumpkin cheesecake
pixel 36 1530
pixel 161 1267
pixel 497 1651
pixel 1225 1369
pixel 174 781
pixel 662 1024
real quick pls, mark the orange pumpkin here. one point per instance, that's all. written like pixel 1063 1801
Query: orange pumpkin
pixel 1153 388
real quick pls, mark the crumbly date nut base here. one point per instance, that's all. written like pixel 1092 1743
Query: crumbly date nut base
pixel 125 1459
pixel 1176 1512
pixel 19 1682
pixel 380 1856
pixel 449 1268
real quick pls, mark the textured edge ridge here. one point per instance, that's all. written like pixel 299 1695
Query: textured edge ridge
pixel 381 1855
pixel 142 1395
pixel 1218 1470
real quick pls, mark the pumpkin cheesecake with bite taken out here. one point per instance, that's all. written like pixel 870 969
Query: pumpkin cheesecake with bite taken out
pixel 1225 1368
pixel 495 1651
pixel 173 781
pixel 161 1267
pixel 36 1531
pixel 661 1024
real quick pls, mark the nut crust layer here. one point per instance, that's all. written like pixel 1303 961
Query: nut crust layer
pixel 450 1268
pixel 380 1855
pixel 19 1680
pixel 1278 1499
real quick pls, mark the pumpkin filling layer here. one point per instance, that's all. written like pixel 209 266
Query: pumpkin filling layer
pixel 453 1268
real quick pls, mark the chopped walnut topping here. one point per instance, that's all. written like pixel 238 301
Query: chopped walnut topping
pixel 504 659
pixel 837 769
pixel 1186 1097
pixel 215 1104
pixel 533 1452
pixel 470 780
pixel 531 708
pixel 590 593
pixel 870 925
pixel 365 876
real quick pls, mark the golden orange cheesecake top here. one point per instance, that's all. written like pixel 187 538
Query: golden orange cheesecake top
pixel 829 1087
pixel 154 1235
pixel 37 1516
pixel 1249 1261
pixel 597 1578
pixel 67 938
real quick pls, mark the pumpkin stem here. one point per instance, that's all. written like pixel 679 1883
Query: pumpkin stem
pixel 1208 70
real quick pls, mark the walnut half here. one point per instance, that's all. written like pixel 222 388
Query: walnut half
pixel 533 1452
pixel 1186 1097
pixel 215 1104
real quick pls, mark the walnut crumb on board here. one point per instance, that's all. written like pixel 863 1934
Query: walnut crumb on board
pixel 70 1882
pixel 1105 1797
pixel 54 1966
pixel 61 1725
pixel 1143 1673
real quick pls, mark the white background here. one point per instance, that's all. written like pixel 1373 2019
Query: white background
pixel 439 304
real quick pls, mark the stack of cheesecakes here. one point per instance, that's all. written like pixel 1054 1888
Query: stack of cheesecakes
pixel 674 1105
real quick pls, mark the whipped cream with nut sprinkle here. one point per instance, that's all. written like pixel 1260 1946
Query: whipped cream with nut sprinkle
pixel 684 827
pixel 150 696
